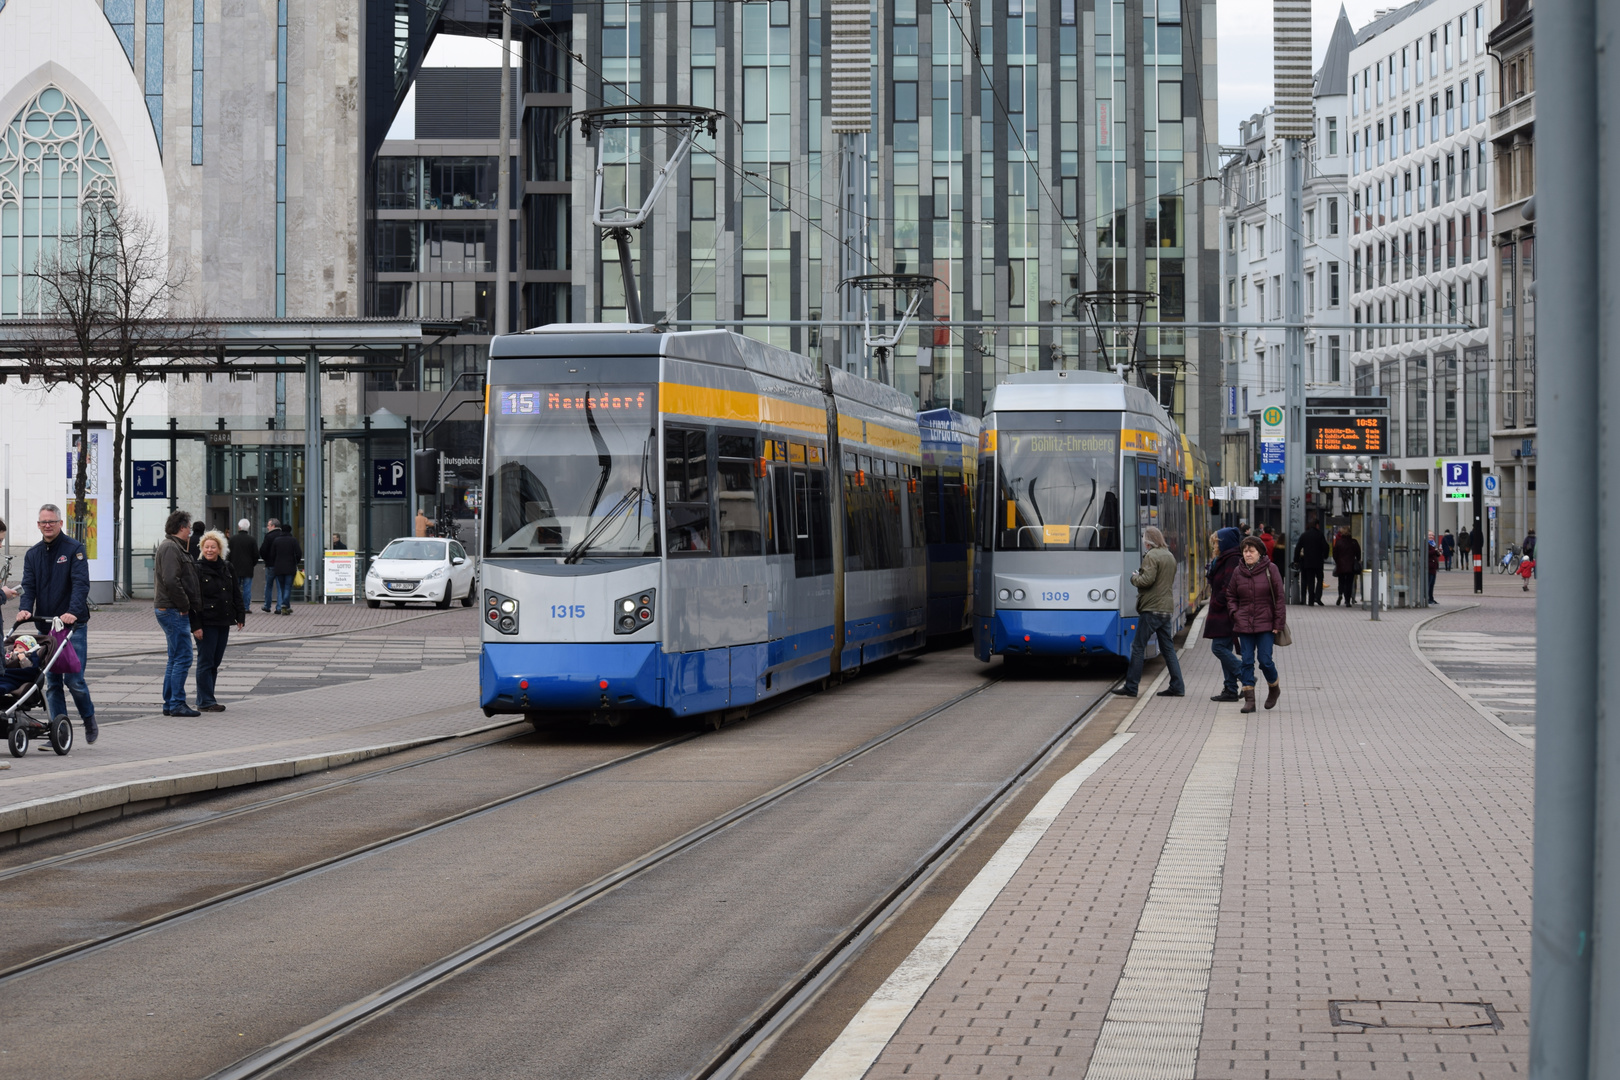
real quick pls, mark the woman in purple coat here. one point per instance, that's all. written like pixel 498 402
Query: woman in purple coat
pixel 1218 623
pixel 1258 603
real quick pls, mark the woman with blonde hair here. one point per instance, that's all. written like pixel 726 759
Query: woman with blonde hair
pixel 221 608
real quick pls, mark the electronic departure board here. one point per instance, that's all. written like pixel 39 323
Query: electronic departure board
pixel 1347 435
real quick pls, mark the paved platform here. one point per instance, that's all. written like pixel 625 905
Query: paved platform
pixel 1336 888
pixel 313 690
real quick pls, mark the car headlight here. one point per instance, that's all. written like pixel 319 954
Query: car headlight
pixel 372 573
pixel 437 572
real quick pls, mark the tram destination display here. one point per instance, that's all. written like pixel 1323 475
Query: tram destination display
pixel 1347 435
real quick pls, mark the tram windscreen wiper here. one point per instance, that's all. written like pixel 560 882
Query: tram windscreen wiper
pixel 617 510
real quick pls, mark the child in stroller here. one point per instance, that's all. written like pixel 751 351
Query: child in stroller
pixel 22 687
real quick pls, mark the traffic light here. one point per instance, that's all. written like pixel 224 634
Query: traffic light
pixel 427 472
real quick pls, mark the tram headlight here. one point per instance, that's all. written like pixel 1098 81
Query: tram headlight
pixel 1095 594
pixel 500 612
pixel 1109 594
pixel 631 613
pixel 1018 594
pixel 1004 594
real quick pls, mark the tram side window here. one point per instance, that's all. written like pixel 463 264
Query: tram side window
pixel 1129 500
pixel 820 521
pixel 933 485
pixel 687 526
pixel 914 503
pixel 987 503
pixel 782 526
pixel 1147 491
pixel 738 497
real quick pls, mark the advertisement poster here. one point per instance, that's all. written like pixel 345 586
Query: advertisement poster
pixel 339 573
pixel 98 478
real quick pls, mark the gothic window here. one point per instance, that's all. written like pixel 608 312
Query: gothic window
pixel 54 168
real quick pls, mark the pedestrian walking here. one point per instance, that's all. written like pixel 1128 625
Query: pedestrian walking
pixel 194 545
pixel 1448 548
pixel 1346 566
pixel 271 529
pixel 1259 607
pixel 1527 569
pixel 282 561
pixel 424 524
pixel 1269 540
pixel 6 591
pixel 1155 581
pixel 1529 548
pixel 1434 563
pixel 221 608
pixel 244 556
pixel 1311 554
pixel 176 600
pixel 56 585
pixel 1218 621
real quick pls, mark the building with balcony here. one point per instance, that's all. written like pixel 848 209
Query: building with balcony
pixel 1420 237
pixel 1513 242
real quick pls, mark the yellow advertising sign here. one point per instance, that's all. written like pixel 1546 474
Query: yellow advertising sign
pixel 1054 534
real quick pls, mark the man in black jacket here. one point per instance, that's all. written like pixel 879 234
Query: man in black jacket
pixel 1311 553
pixel 56 584
pixel 243 557
pixel 272 530
pixel 284 552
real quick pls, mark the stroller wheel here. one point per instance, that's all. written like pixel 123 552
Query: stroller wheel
pixel 61 735
pixel 18 740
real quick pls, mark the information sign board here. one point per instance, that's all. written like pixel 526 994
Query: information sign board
pixel 151 480
pixel 1347 435
pixel 388 478
pixel 1272 456
pixel 339 573
pixel 1457 481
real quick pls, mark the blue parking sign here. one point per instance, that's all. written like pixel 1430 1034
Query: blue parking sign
pixel 151 480
pixel 1457 481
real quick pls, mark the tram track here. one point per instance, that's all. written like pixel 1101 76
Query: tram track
pixel 331 1027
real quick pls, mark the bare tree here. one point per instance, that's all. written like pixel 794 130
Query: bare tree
pixel 110 300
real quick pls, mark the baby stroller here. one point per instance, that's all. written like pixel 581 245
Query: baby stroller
pixel 17 701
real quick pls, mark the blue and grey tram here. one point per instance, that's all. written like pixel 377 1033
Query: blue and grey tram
pixel 950 470
pixel 689 523
pixel 1072 466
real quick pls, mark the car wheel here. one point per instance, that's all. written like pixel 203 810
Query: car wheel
pixel 373 603
pixel 442 604
pixel 472 595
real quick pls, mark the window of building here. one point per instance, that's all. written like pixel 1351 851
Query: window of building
pixel 1310 292
pixel 1446 44
pixel 1445 406
pixel 1451 110
pixel 1467 172
pixel 1364 380
pixel 1333 285
pixel 54 170
pixel 1406 70
pixel 1417 61
pixel 1333 216
pixel 197 82
pixel 1420 139
pixel 1417 406
pixel 1332 133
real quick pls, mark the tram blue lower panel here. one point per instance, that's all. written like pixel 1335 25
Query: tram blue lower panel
pixel 1053 633
pixel 567 677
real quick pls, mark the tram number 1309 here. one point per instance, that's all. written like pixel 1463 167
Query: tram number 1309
pixel 1054 596
pixel 567 611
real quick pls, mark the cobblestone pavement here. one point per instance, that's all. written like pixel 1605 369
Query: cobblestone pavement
pixel 1489 651
pixel 1374 912
pixel 317 645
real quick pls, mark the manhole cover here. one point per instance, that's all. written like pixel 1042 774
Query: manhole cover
pixel 1425 1015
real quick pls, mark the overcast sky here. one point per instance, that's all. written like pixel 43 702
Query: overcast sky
pixel 1244 29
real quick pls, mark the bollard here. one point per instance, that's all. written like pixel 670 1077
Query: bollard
pixel 1479 573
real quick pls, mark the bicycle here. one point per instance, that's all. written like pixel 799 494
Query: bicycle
pixel 1510 561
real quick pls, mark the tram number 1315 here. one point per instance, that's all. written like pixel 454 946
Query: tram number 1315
pixel 567 611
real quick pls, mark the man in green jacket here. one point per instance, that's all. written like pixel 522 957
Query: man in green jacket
pixel 1156 607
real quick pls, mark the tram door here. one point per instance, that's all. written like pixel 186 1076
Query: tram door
pixel 1147 494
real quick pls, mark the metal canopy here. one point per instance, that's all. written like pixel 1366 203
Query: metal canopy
pixel 226 340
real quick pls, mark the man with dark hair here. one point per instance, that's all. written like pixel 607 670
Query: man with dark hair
pixel 176 598
pixel 282 563
pixel 272 528
pixel 56 585
pixel 1311 554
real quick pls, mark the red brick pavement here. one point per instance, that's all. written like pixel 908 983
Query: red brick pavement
pixel 1379 849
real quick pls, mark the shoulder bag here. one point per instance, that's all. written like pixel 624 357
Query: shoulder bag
pixel 1281 635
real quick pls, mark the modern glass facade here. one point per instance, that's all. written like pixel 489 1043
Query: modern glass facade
pixel 1021 152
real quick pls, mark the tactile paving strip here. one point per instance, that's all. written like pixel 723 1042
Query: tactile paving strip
pixel 1156 1017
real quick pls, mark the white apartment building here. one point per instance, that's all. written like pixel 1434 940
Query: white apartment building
pixel 1420 83
pixel 1253 266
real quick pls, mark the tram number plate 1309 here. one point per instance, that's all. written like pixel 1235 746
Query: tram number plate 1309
pixel 567 611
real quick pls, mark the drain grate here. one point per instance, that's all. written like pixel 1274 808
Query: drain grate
pixel 1420 1015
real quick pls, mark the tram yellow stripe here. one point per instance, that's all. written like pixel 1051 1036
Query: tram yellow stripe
pixel 712 403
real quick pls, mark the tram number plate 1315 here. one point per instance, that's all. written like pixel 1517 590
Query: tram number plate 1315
pixel 567 611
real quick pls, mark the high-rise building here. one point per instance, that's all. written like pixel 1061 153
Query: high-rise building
pixel 1020 152
pixel 1255 272
pixel 1513 236
pixel 1420 237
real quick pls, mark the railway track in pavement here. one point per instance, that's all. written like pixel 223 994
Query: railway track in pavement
pixel 917 713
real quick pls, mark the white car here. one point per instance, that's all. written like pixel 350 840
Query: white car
pixel 422 568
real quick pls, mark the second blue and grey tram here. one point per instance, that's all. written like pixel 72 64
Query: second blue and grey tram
pixel 689 522
pixel 1072 466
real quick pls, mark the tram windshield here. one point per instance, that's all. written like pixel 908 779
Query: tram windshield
pixel 572 471
pixel 1058 490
